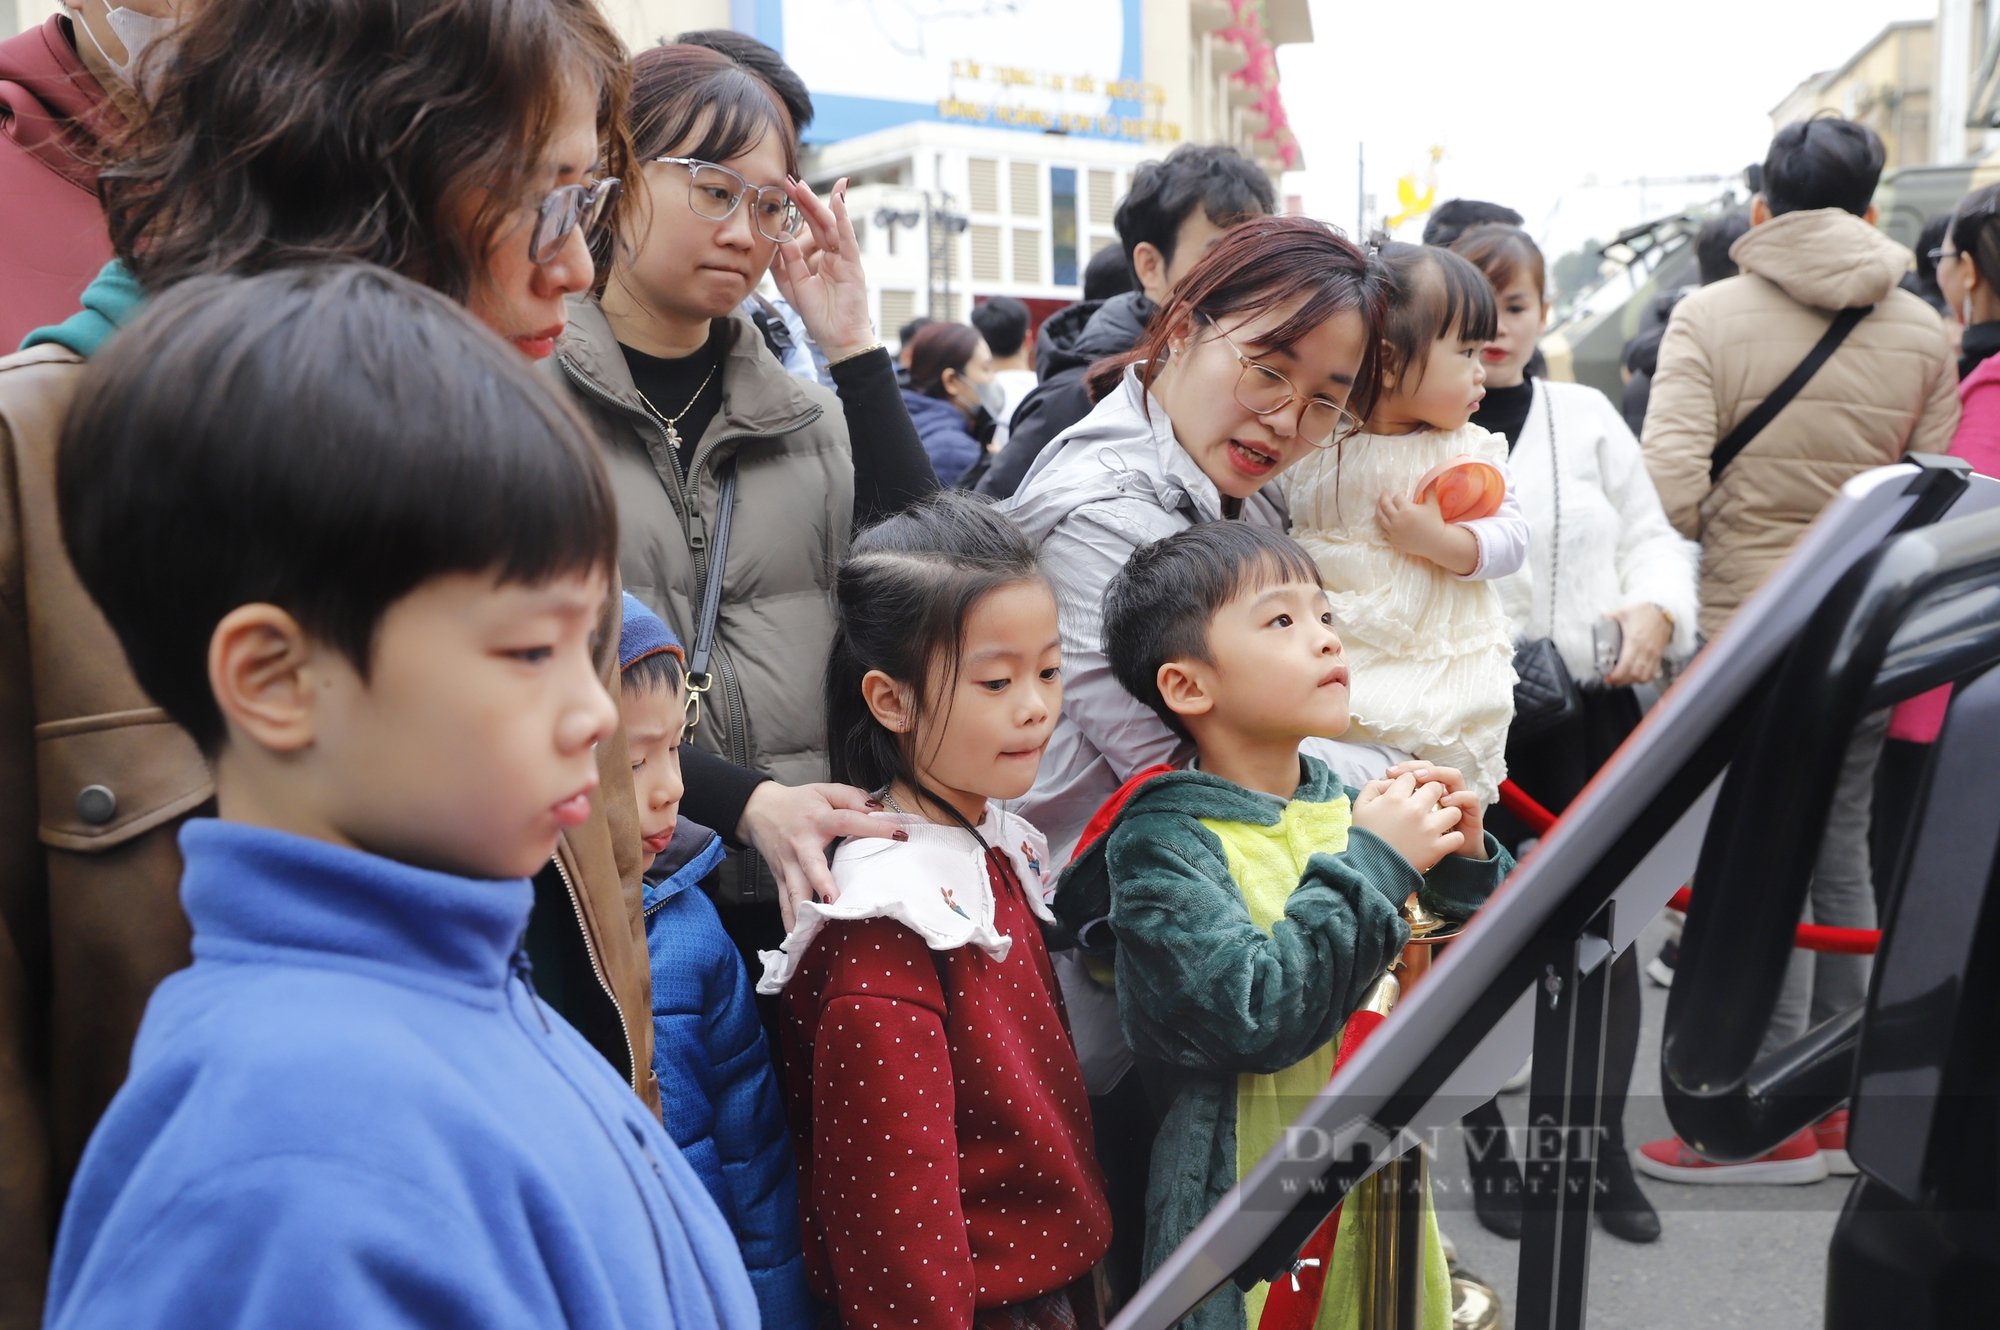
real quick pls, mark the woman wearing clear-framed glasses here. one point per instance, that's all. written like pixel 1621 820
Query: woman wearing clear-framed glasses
pixel 683 391
pixel 1265 352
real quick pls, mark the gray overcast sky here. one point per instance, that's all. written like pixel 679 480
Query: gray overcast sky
pixel 1535 101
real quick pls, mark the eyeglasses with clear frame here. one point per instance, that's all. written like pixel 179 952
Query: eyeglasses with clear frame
pixel 1939 255
pixel 714 191
pixel 1261 389
pixel 563 211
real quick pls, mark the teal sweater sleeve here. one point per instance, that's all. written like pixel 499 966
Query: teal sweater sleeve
pixel 1201 986
pixel 1454 888
pixel 1457 885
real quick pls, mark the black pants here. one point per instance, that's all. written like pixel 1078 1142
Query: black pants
pixel 1553 767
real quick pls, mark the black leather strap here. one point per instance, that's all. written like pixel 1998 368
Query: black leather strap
pixel 719 553
pixel 1767 410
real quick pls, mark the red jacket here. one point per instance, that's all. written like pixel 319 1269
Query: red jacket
pixel 1977 440
pixel 52 116
pixel 946 1164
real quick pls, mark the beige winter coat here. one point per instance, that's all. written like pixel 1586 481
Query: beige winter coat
pixel 1891 388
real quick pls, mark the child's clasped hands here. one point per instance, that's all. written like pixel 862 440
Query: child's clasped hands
pixel 1423 812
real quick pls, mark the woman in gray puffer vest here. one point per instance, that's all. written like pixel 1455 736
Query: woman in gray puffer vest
pixel 688 402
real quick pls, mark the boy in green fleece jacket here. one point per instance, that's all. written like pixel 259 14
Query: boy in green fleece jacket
pixel 1253 900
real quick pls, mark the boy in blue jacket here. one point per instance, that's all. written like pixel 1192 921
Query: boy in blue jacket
pixel 718 1090
pixel 359 552
pixel 1252 902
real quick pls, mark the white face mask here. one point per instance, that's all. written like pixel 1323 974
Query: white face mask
pixel 136 32
pixel 991 396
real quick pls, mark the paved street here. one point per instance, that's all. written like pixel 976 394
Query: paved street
pixel 1729 1256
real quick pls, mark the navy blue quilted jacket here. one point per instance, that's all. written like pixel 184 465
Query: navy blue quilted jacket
pixel 941 426
pixel 718 1090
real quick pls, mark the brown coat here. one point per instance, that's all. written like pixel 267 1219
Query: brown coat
pixel 1889 389
pixel 90 916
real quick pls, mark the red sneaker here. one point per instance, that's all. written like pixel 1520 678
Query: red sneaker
pixel 1795 1161
pixel 1831 1132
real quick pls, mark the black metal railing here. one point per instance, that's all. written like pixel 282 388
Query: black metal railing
pixel 1915 611
pixel 1921 610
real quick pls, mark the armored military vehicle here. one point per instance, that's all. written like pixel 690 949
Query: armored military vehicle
pixel 1656 258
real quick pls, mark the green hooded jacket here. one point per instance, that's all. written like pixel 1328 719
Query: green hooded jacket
pixel 1245 931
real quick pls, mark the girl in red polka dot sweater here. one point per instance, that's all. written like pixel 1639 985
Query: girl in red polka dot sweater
pixel 946 1171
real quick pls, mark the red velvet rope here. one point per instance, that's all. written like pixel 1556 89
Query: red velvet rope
pixel 1811 937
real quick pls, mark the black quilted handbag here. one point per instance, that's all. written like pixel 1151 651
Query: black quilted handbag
pixel 1545 693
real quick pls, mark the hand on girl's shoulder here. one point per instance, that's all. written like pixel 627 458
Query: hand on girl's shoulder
pixel 935 884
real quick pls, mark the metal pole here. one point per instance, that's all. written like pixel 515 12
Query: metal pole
pixel 1565 1102
pixel 950 244
pixel 1360 191
pixel 930 259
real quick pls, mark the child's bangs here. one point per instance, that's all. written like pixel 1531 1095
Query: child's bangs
pixel 1274 564
pixel 481 471
pixel 1446 297
pixel 659 673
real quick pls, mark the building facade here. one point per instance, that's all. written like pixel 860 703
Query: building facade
pixel 1968 79
pixel 1886 85
pixel 987 142
pixel 994 164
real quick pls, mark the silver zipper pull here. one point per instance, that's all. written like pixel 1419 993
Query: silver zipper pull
pixel 1304 1262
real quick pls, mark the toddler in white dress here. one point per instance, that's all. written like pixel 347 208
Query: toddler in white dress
pixel 1409 555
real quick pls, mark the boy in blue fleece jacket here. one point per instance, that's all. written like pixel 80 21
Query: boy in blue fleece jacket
pixel 357 550
pixel 1252 902
pixel 718 1089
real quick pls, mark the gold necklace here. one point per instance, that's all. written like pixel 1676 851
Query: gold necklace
pixel 674 435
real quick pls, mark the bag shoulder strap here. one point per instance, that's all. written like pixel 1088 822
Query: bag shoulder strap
pixel 1767 410
pixel 702 651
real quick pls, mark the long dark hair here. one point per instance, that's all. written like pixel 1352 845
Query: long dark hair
pixel 1265 263
pixel 1975 235
pixel 901 601
pixel 362 129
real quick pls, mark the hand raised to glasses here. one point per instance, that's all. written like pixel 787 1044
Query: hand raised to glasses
pixel 1411 818
pixel 1472 811
pixel 819 274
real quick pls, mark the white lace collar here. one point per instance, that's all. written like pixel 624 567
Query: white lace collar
pixel 935 884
